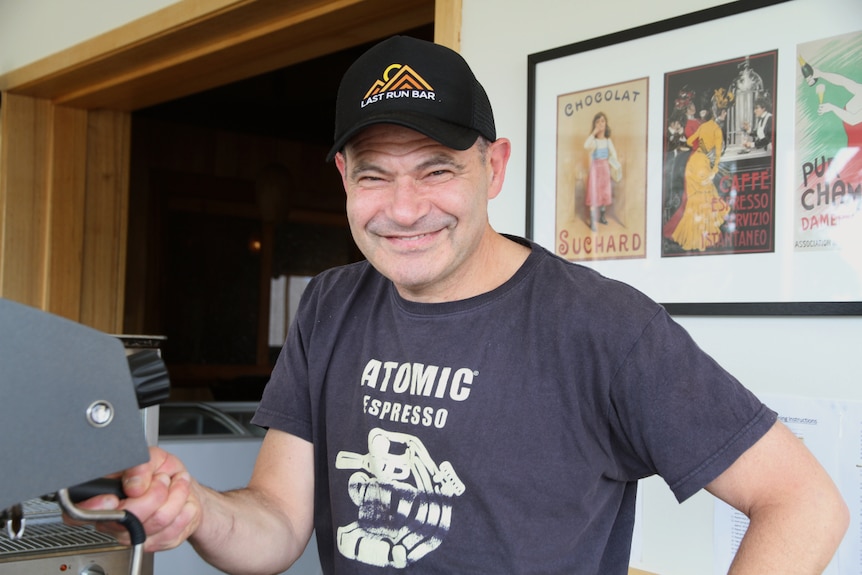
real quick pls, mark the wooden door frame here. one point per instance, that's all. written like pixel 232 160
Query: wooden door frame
pixel 65 126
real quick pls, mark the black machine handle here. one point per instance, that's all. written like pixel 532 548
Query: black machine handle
pixel 112 486
pixel 100 486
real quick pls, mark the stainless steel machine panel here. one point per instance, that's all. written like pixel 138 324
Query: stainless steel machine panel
pixel 81 557
pixel 51 546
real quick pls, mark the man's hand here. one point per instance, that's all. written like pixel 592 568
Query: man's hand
pixel 162 495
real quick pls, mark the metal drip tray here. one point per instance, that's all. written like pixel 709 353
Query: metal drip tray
pixel 49 545
pixel 54 537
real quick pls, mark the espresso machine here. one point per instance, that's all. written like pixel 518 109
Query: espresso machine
pixel 76 405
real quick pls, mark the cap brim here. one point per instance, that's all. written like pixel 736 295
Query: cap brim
pixel 450 135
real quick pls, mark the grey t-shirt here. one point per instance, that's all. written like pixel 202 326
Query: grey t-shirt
pixel 504 433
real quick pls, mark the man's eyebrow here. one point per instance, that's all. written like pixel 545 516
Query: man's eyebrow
pixel 361 166
pixel 440 159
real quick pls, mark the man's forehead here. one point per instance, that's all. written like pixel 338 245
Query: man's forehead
pixel 386 132
pixel 397 139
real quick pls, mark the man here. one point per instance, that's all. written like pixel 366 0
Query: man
pixel 466 402
pixel 761 133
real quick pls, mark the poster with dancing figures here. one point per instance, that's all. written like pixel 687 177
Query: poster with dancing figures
pixel 718 180
pixel 601 172
pixel 828 165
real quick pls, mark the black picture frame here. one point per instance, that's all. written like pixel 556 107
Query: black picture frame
pixel 726 14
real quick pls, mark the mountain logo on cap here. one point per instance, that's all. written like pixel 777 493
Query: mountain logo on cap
pixel 398 81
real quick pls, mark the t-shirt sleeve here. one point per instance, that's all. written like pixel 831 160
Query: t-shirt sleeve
pixel 674 411
pixel 286 401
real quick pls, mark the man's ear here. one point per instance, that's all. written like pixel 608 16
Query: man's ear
pixel 498 158
pixel 341 165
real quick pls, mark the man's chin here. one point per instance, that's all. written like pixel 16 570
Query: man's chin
pixel 409 277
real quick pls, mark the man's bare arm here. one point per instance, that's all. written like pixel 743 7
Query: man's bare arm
pixel 797 516
pixel 264 527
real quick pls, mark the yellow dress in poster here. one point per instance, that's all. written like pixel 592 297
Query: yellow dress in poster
pixel 705 211
pixel 601 172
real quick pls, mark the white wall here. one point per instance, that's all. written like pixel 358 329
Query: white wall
pixel 811 357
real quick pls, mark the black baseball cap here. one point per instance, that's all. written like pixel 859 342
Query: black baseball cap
pixel 416 84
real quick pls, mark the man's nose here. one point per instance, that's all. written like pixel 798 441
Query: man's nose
pixel 408 203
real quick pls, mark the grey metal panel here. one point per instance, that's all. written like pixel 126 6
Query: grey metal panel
pixel 51 371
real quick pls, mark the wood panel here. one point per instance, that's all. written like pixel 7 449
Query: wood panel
pixel 66 204
pixel 26 127
pixel 106 220
pixel 447 23
pixel 63 191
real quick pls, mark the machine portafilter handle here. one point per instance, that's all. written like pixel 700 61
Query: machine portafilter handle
pixel 102 486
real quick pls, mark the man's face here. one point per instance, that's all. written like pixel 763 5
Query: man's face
pixel 758 111
pixel 419 210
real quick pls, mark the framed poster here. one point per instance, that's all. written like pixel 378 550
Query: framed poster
pixel 711 160
pixel 600 200
pixel 829 135
pixel 719 150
